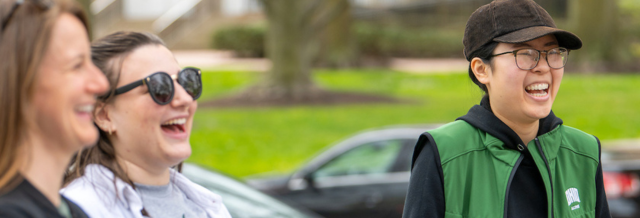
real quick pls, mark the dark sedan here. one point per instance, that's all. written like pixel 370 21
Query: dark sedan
pixel 367 175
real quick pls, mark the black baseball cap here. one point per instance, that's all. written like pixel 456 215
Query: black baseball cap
pixel 512 21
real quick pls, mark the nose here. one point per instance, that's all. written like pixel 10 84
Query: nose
pixel 180 96
pixel 97 83
pixel 543 64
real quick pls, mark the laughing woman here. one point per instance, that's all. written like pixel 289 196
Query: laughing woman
pixel 510 156
pixel 48 86
pixel 145 122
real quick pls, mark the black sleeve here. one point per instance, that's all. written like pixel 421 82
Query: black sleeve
pixel 425 197
pixel 602 206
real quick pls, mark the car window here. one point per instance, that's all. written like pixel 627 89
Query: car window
pixel 403 163
pixel 370 158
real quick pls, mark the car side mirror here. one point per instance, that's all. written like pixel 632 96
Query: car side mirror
pixel 311 182
pixel 306 182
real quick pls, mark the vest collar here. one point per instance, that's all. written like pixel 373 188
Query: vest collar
pixel 481 117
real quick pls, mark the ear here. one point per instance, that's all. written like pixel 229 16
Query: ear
pixel 102 118
pixel 481 70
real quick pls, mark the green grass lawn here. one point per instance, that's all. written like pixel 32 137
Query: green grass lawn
pixel 246 141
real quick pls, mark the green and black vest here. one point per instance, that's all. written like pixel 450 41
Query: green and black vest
pixel 478 168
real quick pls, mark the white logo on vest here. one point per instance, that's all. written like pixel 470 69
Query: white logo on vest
pixel 572 197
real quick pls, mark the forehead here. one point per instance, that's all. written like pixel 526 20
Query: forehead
pixel 68 40
pixel 145 61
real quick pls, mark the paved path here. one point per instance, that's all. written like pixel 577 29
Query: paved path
pixel 224 60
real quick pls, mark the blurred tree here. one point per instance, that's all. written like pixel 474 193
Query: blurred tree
pixel 292 44
pixel 596 22
pixel 338 48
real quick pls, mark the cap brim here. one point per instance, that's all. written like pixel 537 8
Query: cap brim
pixel 565 38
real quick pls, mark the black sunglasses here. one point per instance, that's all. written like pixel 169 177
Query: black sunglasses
pixel 42 4
pixel 161 88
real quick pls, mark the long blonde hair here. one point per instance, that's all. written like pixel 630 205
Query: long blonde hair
pixel 23 44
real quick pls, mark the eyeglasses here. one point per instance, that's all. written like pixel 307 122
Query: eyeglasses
pixel 42 4
pixel 161 88
pixel 528 58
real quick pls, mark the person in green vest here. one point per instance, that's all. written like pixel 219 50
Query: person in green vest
pixel 510 156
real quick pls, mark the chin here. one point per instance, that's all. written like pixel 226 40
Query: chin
pixel 180 152
pixel 540 113
pixel 87 138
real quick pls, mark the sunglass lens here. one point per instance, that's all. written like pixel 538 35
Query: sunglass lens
pixel 161 88
pixel 190 80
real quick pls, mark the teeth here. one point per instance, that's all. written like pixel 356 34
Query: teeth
pixel 178 121
pixel 542 94
pixel 85 108
pixel 538 86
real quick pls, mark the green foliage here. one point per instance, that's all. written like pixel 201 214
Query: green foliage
pixel 246 141
pixel 397 41
pixel 246 41
pixel 630 13
pixel 373 40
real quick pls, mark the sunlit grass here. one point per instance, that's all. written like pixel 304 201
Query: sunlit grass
pixel 245 141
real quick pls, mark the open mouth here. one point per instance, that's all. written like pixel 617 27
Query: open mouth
pixel 174 125
pixel 537 89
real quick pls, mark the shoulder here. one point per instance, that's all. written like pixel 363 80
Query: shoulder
pixel 453 129
pixel 203 197
pixel 23 201
pixel 97 194
pixel 455 138
pixel 580 142
pixel 11 207
pixel 12 211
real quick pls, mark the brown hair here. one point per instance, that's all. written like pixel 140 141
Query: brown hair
pixel 23 44
pixel 107 54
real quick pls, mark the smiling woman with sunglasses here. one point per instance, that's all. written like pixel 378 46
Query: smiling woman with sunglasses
pixel 145 121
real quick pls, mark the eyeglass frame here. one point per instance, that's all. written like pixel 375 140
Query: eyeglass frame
pixel 42 4
pixel 515 56
pixel 128 87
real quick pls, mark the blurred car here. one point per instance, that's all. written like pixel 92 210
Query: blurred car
pixel 367 175
pixel 241 200
pixel 621 175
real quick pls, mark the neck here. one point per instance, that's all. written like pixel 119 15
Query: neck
pixel 45 166
pixel 527 131
pixel 145 175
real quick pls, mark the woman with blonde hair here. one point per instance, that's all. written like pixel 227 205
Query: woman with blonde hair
pixel 145 122
pixel 48 86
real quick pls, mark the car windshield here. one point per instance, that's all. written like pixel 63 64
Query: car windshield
pixel 241 200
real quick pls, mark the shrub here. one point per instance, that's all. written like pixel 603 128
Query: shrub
pixel 397 41
pixel 373 40
pixel 246 41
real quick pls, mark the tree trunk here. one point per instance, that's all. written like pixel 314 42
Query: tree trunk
pixel 339 46
pixel 596 23
pixel 292 46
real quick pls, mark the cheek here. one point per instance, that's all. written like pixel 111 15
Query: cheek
pixel 557 78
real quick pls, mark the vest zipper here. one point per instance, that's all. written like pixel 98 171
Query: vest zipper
pixel 513 173
pixel 548 171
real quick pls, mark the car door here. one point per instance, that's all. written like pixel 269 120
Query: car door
pixel 368 180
